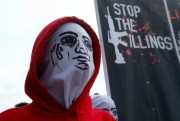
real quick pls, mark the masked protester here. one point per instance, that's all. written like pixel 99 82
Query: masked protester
pixel 64 64
pixel 104 102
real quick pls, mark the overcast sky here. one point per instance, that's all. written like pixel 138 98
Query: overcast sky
pixel 20 23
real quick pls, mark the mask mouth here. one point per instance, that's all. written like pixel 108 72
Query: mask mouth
pixel 82 62
pixel 82 59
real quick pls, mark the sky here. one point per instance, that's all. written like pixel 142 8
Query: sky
pixel 20 23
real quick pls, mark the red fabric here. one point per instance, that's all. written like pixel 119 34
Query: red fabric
pixel 44 107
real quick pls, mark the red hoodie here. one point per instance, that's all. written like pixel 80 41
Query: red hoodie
pixel 44 106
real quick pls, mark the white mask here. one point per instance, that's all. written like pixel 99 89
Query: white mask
pixel 68 63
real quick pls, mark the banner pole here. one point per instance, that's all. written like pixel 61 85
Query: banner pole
pixel 102 49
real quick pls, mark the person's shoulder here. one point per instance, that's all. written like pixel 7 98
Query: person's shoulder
pixel 7 114
pixel 11 113
pixel 9 110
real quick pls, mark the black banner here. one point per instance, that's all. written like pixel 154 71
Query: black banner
pixel 142 63
pixel 174 12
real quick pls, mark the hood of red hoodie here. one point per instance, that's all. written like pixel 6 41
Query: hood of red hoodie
pixel 33 86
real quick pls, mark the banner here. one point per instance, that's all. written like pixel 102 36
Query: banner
pixel 174 12
pixel 141 59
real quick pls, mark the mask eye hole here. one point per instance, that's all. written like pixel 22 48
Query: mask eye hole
pixel 87 43
pixel 68 40
pixel 114 111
